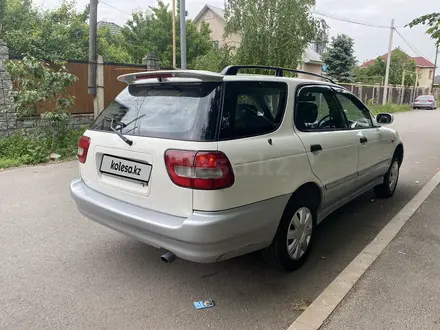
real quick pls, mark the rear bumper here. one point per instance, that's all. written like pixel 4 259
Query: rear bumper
pixel 201 237
pixel 424 105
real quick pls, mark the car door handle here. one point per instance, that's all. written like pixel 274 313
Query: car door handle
pixel 315 147
pixel 363 139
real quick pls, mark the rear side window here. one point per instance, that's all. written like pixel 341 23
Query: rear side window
pixel 252 108
pixel 185 111
pixel 425 97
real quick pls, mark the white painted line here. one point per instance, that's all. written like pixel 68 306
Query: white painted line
pixel 320 309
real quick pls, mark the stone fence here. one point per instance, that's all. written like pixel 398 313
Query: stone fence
pixel 7 115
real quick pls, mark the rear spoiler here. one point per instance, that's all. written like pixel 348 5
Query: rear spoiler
pixel 163 75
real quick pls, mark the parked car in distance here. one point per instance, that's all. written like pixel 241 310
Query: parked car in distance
pixel 425 102
pixel 210 166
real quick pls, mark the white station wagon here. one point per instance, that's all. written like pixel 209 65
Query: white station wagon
pixel 210 166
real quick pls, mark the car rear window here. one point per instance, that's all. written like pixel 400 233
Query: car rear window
pixel 425 97
pixel 183 111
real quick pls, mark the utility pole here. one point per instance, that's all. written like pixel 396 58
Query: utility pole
pixel 174 34
pixel 93 22
pixel 387 73
pixel 182 35
pixel 416 89
pixel 435 66
pixel 403 87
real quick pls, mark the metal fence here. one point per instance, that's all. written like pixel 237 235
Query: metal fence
pixel 373 94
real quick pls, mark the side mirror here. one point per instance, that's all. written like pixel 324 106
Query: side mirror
pixel 384 118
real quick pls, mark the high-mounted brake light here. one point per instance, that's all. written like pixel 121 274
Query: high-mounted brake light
pixel 158 76
pixel 204 170
pixel 83 148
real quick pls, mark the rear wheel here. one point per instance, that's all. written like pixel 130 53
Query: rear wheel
pixel 389 185
pixel 293 240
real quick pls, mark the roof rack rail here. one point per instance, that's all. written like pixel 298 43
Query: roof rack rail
pixel 232 70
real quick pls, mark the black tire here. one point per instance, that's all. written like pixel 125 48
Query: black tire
pixel 386 189
pixel 277 253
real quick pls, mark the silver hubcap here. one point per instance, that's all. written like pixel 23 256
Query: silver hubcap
pixel 299 233
pixel 394 175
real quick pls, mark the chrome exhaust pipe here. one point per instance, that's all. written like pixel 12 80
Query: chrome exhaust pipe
pixel 168 257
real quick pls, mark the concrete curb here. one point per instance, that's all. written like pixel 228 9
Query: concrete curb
pixel 320 309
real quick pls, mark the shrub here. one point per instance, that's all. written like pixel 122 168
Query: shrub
pixel 36 82
pixel 24 148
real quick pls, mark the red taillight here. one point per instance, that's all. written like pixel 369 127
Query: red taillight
pixel 205 170
pixel 430 101
pixel 83 148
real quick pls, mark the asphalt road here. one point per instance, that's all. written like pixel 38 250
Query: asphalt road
pixel 379 301
pixel 59 270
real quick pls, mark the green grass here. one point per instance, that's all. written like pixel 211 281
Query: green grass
pixel 10 162
pixel 35 148
pixel 390 108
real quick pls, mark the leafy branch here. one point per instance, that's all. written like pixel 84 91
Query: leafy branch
pixel 432 21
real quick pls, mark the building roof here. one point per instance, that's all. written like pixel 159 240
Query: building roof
pixel 420 62
pixel 113 27
pixel 216 10
pixel 423 62
pixel 310 56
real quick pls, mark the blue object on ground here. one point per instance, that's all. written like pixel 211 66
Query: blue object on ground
pixel 204 304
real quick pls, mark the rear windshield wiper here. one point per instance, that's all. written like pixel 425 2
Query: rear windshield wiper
pixel 117 130
pixel 124 125
pixel 120 125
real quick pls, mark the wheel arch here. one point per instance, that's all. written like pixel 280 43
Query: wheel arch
pixel 312 191
pixel 399 153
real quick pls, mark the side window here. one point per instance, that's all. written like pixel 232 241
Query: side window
pixel 252 108
pixel 357 115
pixel 317 110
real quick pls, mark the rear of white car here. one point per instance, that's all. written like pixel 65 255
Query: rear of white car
pixel 150 168
pixel 425 102
pixel 211 166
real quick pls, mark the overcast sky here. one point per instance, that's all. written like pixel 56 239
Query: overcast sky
pixel 370 42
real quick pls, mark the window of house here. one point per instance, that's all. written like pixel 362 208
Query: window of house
pixel 252 108
pixel 209 15
pixel 430 74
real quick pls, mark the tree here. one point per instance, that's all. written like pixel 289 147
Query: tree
pixel 19 20
pixel 36 82
pixel 433 22
pixel 63 34
pixel 215 60
pixel 340 58
pixel 112 46
pixel 400 61
pixel 274 32
pixel 150 31
pixel 58 34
